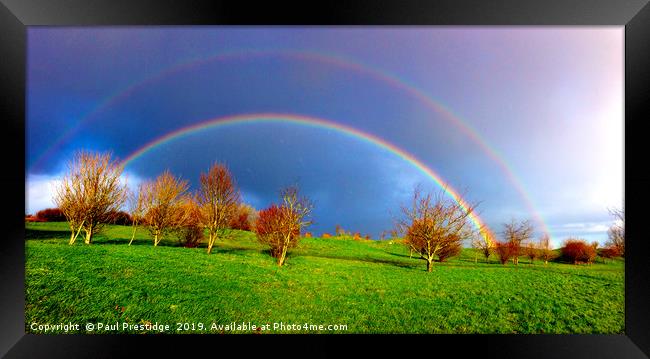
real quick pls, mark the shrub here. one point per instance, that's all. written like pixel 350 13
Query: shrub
pixel 50 215
pixel 190 230
pixel 308 235
pixel 326 235
pixel 243 218
pixel 577 250
pixel 451 249
pixel 532 251
pixel 610 252
pixel 356 236
pixel 190 236
pixel 279 227
pixel 271 230
pixel 120 217
pixel 505 250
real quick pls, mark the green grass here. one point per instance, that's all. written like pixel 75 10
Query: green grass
pixel 370 286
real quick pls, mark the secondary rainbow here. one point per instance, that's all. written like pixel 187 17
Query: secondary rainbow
pixel 333 60
pixel 310 122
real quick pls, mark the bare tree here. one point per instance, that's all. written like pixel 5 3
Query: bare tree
pixel 434 224
pixel 68 196
pixel 136 203
pixel 163 204
pixel 616 232
pixel 90 192
pixel 532 251
pixel 515 233
pixel 483 243
pixel 218 199
pixel 545 250
pixel 280 226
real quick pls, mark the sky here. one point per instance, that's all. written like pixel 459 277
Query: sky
pixel 525 122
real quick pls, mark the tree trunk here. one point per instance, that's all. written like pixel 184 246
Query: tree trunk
pixel 210 242
pixel 89 235
pixel 429 264
pixel 73 236
pixel 135 226
pixel 283 255
pixel 155 240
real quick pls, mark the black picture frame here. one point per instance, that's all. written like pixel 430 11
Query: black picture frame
pixel 17 15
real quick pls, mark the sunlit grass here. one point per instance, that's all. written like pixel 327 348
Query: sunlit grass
pixel 372 287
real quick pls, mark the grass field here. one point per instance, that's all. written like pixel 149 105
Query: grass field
pixel 370 286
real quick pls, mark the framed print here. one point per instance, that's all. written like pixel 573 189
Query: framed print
pixel 403 178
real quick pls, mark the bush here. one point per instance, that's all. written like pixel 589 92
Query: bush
pixel 451 250
pixel 326 235
pixel 272 229
pixel 50 215
pixel 120 218
pixel 505 250
pixel 610 252
pixel 243 218
pixel 190 236
pixel 577 250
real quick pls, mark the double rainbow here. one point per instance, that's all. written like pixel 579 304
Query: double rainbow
pixel 314 122
pixel 328 59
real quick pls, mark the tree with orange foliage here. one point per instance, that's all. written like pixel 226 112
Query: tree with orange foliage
pixel 218 199
pixel 434 225
pixel 164 204
pixel 279 226
pixel 577 250
pixel 244 217
pixel 504 250
pixel 189 229
pixel 609 252
pixel 452 249
pixel 90 192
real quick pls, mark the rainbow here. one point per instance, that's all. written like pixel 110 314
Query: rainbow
pixel 333 60
pixel 317 123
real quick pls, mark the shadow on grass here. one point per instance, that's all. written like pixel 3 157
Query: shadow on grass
pixel 398 254
pixel 34 234
pixel 235 250
pixel 357 259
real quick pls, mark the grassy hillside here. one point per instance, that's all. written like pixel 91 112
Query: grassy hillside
pixel 372 287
